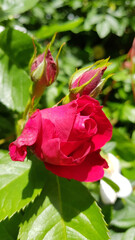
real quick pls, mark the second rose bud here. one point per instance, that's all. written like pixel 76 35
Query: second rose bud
pixel 88 81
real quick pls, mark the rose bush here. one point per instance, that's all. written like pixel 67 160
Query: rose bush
pixel 67 139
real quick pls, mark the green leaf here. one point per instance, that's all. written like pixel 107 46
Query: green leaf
pixel 114 23
pixel 126 150
pixel 4 233
pixel 128 113
pixel 64 210
pixel 20 183
pixel 9 227
pixel 129 172
pixel 14 84
pixel 47 31
pixel 125 217
pixel 10 8
pixel 129 234
pixel 103 28
pixel 92 19
pixel 115 236
pixel 18 46
pixel 14 81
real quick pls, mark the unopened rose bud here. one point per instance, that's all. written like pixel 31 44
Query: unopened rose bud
pixel 130 58
pixel 44 68
pixel 44 71
pixel 87 81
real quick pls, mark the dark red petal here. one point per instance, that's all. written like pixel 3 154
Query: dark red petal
pixel 104 130
pixel 53 153
pixel 90 170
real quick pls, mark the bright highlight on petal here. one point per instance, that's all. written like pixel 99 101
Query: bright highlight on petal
pixel 108 195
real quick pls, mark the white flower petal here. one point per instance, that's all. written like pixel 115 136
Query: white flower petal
pixel 108 195
pixel 124 185
pixel 114 162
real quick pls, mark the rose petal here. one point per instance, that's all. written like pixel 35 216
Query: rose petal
pixel 16 153
pixel 79 130
pixel 53 153
pixel 30 132
pixel 104 130
pixel 17 149
pixel 47 132
pixel 62 117
pixel 91 169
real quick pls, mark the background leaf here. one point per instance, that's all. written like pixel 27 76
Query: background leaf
pixel 18 46
pixel 17 50
pixel 125 217
pixel 103 28
pixel 10 8
pixel 14 84
pixel 64 210
pixel 47 31
pixel 129 234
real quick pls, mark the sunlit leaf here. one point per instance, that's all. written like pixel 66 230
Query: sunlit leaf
pixel 14 84
pixel 18 46
pixel 64 210
pixel 20 183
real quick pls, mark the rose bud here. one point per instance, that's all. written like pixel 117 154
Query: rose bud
pixel 44 71
pixel 131 53
pixel 88 81
pixel 130 62
pixel 67 139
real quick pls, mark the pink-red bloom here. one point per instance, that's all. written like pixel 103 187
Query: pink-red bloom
pixel 67 139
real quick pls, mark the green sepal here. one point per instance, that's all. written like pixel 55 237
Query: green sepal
pixel 80 88
pixel 99 87
pixel 66 99
pixel 99 64
pixel 37 74
pixel 33 56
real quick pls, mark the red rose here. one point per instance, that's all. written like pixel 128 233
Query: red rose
pixel 67 139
